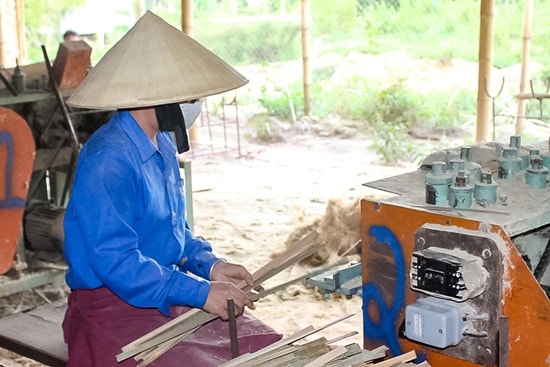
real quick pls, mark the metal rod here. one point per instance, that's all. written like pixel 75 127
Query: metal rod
pixel 8 84
pixel 60 100
pixel 503 341
pixel 233 328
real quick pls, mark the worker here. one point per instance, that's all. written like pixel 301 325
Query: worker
pixel 71 35
pixel 133 263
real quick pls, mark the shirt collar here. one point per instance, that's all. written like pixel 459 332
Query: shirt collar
pixel 144 145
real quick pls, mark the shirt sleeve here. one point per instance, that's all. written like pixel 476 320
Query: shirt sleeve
pixel 107 215
pixel 198 256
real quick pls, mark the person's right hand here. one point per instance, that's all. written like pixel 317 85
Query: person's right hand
pixel 220 292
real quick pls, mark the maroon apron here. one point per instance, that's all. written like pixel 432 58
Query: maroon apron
pixel 98 324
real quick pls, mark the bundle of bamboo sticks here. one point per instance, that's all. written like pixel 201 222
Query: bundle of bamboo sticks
pixel 292 351
pixel 157 342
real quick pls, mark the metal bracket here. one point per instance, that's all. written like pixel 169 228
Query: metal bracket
pixel 346 280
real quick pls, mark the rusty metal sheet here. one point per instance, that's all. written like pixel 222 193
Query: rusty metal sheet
pixel 16 161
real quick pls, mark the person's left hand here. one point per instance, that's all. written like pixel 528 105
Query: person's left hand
pixel 234 273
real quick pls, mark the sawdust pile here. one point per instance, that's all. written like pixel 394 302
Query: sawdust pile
pixel 339 232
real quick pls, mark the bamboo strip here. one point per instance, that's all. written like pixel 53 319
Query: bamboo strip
pixel 333 354
pixel 185 324
pixel 304 354
pixel 409 356
pixel 149 356
pixel 278 353
pixel 352 349
pixel 295 337
pixel 362 359
pixel 285 341
pixel 342 337
pixel 294 350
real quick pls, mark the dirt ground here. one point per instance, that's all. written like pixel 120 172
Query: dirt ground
pixel 249 204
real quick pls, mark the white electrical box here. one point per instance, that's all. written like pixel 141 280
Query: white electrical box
pixel 435 322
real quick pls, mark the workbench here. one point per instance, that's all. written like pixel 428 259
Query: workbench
pixel 36 334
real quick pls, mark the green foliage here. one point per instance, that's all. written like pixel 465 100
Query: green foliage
pixel 252 42
pixel 282 102
pixel 450 29
pixel 358 99
pixel 264 128
pixel 329 18
pixel 394 104
pixel 392 142
pixel 42 22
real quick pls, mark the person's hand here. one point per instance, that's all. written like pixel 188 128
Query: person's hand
pixel 220 292
pixel 233 273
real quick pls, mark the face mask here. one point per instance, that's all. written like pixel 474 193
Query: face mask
pixel 177 118
pixel 190 112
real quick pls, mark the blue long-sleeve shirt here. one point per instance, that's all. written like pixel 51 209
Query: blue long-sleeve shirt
pixel 124 225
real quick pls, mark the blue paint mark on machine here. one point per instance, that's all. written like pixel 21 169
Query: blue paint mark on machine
pixel 385 327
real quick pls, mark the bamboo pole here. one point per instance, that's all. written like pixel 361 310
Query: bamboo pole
pixel 140 8
pixel 2 37
pixel 187 27
pixel 306 14
pixel 485 64
pixel 525 57
pixel 187 17
pixel 21 39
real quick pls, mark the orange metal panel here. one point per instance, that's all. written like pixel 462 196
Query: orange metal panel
pixel 386 287
pixel 71 64
pixel 16 161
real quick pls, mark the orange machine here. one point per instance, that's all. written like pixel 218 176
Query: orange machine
pixel 16 162
pixel 460 277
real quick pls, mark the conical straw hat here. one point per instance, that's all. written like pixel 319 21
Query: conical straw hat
pixel 154 64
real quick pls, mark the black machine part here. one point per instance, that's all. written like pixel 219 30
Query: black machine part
pixel 43 227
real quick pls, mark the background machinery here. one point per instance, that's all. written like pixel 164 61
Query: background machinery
pixel 39 143
pixel 455 262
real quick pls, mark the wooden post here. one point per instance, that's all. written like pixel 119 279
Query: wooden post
pixel 187 27
pixel 306 6
pixel 525 57
pixel 484 107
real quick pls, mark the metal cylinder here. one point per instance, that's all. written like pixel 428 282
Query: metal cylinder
pixel 486 190
pixel 546 156
pixel 515 142
pixel 437 184
pixel 536 175
pixel 473 168
pixel 18 80
pixel 460 192
pixel 455 165
pixel 509 164
pixel 43 227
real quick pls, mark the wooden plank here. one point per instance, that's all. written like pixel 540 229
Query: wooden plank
pixel 36 334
